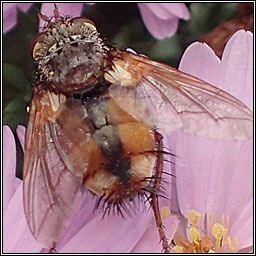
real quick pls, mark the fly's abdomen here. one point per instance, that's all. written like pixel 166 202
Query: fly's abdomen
pixel 124 151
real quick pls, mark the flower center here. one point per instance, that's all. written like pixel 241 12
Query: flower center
pixel 199 241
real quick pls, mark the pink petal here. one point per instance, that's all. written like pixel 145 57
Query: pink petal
pixel 10 14
pixel 16 228
pixel 243 227
pixel 169 176
pixel 236 70
pixel 213 176
pixel 16 234
pixel 70 9
pixel 233 73
pixel 200 61
pixel 178 9
pixel 193 172
pixel 65 9
pixel 239 186
pixel 85 214
pixel 169 10
pixel 111 234
pixel 159 28
pixel 159 11
pixel 231 180
pixel 145 244
pixel 10 182
pixel 216 176
pixel 21 132
pixel 249 249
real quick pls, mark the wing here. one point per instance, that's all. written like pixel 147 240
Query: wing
pixel 55 162
pixel 175 100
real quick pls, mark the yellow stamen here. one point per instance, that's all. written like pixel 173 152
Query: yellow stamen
pixel 212 219
pixel 194 234
pixel 224 222
pixel 198 242
pixel 219 232
pixel 165 212
pixel 232 245
pixel 194 217
pixel 178 249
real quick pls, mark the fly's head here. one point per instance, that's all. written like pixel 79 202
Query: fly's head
pixel 69 54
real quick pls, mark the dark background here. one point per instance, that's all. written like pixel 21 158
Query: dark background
pixel 121 23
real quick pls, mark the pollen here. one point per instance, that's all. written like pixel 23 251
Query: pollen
pixel 194 217
pixel 200 241
pixel 195 235
pixel 165 212
pixel 178 249
pixel 219 231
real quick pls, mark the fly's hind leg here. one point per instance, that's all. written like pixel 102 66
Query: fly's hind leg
pixel 52 250
pixel 154 196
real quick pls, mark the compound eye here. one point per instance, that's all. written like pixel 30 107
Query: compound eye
pixel 35 41
pixel 80 20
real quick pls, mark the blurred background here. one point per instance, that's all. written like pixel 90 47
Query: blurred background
pixel 121 24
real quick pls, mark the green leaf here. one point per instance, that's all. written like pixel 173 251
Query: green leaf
pixel 15 112
pixel 14 75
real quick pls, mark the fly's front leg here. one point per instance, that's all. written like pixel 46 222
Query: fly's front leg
pixel 154 196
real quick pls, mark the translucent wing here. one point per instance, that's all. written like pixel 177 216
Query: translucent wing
pixel 175 100
pixel 55 161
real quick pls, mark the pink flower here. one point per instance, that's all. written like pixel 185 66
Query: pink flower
pixel 10 11
pixel 70 9
pixel 161 19
pixel 66 9
pixel 215 178
pixel 9 154
pixel 10 14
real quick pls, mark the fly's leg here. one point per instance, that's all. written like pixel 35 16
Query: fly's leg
pixel 52 250
pixel 154 196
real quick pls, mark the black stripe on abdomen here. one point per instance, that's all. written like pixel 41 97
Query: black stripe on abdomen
pixel 108 140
